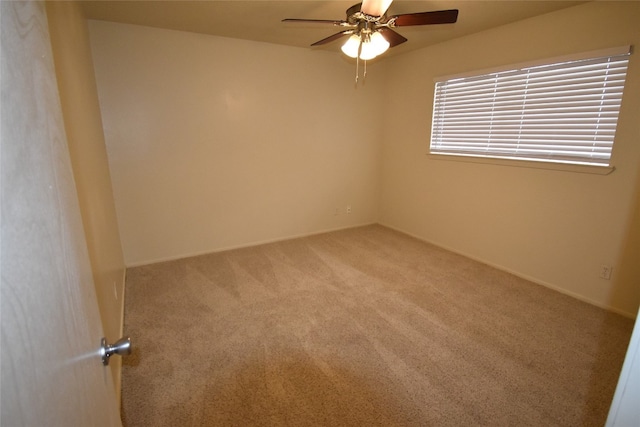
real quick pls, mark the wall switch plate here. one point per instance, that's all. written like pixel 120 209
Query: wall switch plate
pixel 348 209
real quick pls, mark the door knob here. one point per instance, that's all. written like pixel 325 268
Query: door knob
pixel 122 347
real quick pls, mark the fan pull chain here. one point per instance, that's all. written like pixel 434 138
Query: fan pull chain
pixel 358 62
pixel 364 73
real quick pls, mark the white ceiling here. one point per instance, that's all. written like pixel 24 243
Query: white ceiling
pixel 261 20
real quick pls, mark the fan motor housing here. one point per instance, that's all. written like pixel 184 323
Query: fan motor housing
pixel 352 14
pixel 355 16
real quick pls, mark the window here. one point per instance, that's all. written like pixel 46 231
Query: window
pixel 563 110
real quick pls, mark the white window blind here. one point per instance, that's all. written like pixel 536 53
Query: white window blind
pixel 560 112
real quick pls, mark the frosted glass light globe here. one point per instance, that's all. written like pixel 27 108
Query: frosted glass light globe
pixel 350 48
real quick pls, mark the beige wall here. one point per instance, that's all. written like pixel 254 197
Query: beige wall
pixel 83 125
pixel 216 143
pixel 554 227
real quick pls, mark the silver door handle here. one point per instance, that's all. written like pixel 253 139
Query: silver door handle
pixel 122 347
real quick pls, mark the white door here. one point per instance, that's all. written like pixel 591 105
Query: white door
pixel 52 374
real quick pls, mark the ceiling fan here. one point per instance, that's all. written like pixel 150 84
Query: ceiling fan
pixel 371 30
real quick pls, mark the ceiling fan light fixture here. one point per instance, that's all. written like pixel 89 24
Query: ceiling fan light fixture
pixel 379 43
pixel 351 46
pixel 368 51
pixel 373 45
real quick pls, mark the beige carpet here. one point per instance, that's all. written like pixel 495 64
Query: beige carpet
pixel 361 327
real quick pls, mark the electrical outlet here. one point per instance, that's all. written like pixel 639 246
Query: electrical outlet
pixel 605 272
pixel 348 209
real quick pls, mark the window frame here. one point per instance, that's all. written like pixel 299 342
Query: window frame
pixel 520 160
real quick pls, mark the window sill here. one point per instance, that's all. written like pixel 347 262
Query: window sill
pixel 565 167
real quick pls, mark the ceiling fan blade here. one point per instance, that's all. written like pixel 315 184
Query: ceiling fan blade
pixel 375 7
pixel 333 37
pixel 392 37
pixel 425 18
pixel 316 21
